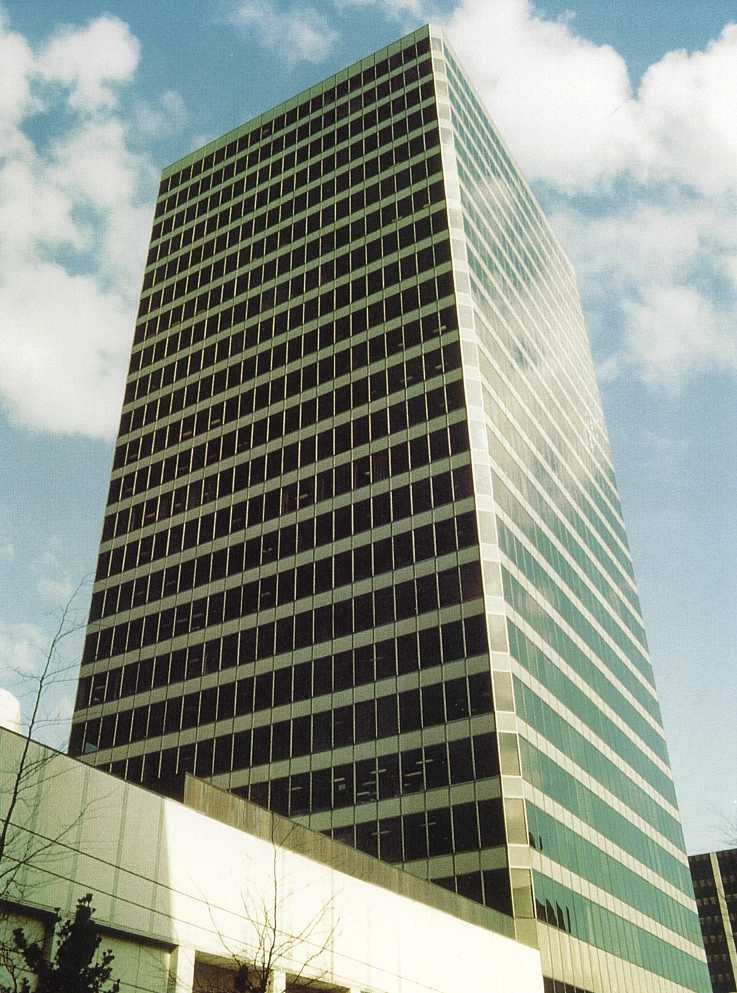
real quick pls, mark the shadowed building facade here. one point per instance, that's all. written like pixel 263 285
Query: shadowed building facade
pixel 363 560
pixel 715 886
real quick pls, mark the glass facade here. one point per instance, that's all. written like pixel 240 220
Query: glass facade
pixel 363 560
pixel 604 874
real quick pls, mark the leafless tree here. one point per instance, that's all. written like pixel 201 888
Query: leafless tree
pixel 730 831
pixel 30 771
pixel 275 948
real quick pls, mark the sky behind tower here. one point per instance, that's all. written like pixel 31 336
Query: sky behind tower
pixel 620 114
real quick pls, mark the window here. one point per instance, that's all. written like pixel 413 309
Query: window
pixel 412 771
pixel 415 838
pixel 343 786
pixel 465 828
pixel 439 833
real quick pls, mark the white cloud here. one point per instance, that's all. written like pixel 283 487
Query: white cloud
pixel 95 166
pixel 166 115
pixel 91 62
pixel 562 102
pixel 16 100
pixel 651 234
pixel 686 104
pixel 395 8
pixel 75 212
pixel 297 33
pixel 63 352
pixel 661 271
pixel 673 331
pixel 570 114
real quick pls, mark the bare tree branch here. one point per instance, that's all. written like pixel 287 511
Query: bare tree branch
pixel 27 768
pixel 274 948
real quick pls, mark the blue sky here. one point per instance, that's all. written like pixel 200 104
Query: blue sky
pixel 622 115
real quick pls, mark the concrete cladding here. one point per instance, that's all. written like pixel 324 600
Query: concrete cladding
pixel 185 894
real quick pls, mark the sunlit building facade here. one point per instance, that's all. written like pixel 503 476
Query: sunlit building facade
pixel 363 560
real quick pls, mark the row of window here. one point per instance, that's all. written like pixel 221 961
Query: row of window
pixel 263 135
pixel 436 253
pixel 368 720
pixel 350 784
pixel 411 333
pixel 364 147
pixel 465 827
pixel 289 540
pixel 437 444
pixel 257 275
pixel 525 347
pixel 332 440
pixel 495 161
pixel 328 483
pixel 314 307
pixel 553 299
pixel 423 167
pixel 547 288
pixel 542 494
pixel 572 440
pixel 380 509
pixel 596 925
pixel 703 874
pixel 307 580
pixel 385 659
pixel 567 492
pixel 404 149
pixel 613 775
pixel 259 169
pixel 286 586
pixel 590 861
pixel 560 447
pixel 624 742
pixel 722 982
pixel 411 233
pixel 404 600
pixel 532 564
pixel 446 588
pixel 556 452
pixel 588 561
pixel 251 399
pixel 490 887
pixel 549 594
pixel 261 174
pixel 255 165
pixel 564 788
pixel 415 770
pixel 607 684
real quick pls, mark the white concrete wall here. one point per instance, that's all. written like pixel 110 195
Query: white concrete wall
pixel 168 874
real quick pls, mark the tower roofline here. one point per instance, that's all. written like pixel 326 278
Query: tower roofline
pixel 426 31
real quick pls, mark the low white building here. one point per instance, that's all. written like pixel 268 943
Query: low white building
pixel 186 892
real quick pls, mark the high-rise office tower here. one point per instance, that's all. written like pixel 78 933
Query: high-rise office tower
pixel 363 559
pixel 715 885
